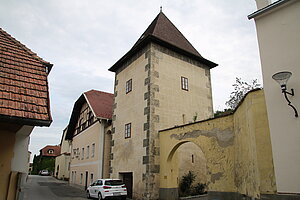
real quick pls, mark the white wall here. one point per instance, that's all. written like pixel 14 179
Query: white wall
pixel 20 160
pixel 279 43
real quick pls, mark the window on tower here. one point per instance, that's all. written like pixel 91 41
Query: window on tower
pixel 128 130
pixel 184 83
pixel 128 86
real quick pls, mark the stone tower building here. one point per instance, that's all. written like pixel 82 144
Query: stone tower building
pixel 161 82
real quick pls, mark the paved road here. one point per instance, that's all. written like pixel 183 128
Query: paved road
pixel 48 188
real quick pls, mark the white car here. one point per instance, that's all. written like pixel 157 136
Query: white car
pixel 44 172
pixel 107 188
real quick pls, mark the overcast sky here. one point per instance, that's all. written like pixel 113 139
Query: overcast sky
pixel 83 38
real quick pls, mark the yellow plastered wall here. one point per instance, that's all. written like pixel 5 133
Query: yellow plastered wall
pixel 7 141
pixel 215 138
pixel 237 148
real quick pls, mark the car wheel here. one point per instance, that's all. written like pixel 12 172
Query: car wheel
pixel 88 194
pixel 100 196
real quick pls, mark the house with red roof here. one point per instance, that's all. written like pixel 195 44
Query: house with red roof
pixel 24 104
pixel 50 151
pixel 89 129
pixel 46 159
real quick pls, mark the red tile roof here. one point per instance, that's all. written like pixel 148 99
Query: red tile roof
pixel 24 96
pixel 163 32
pixel 101 103
pixel 50 150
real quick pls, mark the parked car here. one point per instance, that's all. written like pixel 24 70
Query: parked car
pixel 107 188
pixel 44 172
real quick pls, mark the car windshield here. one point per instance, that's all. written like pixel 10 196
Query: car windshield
pixel 114 182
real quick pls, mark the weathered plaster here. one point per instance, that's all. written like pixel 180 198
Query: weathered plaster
pixel 237 149
pixel 224 137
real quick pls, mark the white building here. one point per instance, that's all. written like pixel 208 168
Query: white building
pixel 278 32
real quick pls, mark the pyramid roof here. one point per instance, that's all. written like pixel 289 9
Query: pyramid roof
pixel 164 32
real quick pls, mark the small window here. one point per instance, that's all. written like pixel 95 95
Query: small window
pixel 81 178
pixel 128 130
pixel 50 151
pixel 87 151
pixel 184 83
pixel 129 86
pixel 90 118
pixel 82 155
pixel 79 125
pixel 92 178
pixel 74 153
pixel 93 150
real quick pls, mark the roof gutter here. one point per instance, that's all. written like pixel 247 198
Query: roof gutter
pixel 267 8
pixel 25 121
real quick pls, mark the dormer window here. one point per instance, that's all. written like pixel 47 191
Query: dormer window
pixel 50 151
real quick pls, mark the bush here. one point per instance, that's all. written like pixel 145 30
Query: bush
pixel 186 187
pixel 199 188
pixel 186 182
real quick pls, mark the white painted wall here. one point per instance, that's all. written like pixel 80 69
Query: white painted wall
pixel 20 160
pixel 279 44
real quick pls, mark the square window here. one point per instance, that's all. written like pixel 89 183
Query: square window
pixel 128 130
pixel 128 86
pixel 184 83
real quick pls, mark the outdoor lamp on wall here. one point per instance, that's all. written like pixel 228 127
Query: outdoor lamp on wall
pixel 282 78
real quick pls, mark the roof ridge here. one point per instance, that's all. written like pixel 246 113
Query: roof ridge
pixel 153 23
pixel 98 91
pixel 164 33
pixel 29 51
pixel 152 30
pixel 180 33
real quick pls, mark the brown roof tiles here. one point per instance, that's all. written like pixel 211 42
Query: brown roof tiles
pixel 163 32
pixel 24 96
pixel 50 150
pixel 101 103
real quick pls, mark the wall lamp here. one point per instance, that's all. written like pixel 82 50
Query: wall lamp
pixel 282 78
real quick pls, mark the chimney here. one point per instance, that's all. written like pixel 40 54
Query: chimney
pixel 262 3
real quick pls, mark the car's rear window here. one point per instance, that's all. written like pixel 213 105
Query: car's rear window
pixel 114 182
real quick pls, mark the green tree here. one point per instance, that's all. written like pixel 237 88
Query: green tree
pixel 240 90
pixel 219 113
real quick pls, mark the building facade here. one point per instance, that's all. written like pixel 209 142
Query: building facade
pixel 278 30
pixel 62 161
pixel 161 82
pixel 24 104
pixel 90 131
